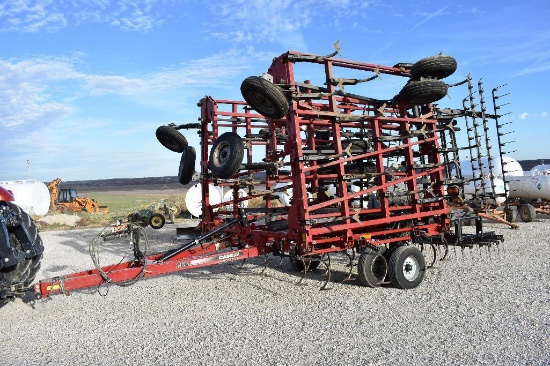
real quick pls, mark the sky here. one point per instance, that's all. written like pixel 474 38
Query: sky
pixel 84 84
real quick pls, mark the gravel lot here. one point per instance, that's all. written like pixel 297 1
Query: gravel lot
pixel 489 308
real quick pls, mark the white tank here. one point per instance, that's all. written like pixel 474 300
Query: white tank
pixel 285 197
pixel 228 197
pixel 469 189
pixel 530 187
pixel 30 195
pixel 543 169
pixel 511 167
pixel 193 198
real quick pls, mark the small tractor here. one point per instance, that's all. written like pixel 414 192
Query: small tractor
pixel 67 200
pixel 339 171
pixel 155 215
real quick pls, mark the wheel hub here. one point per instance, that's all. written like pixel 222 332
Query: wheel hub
pixel 410 268
pixel 263 103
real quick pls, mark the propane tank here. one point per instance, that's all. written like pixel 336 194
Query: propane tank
pixel 511 167
pixel 469 190
pixel 32 196
pixel 228 196
pixel 193 198
pixel 530 187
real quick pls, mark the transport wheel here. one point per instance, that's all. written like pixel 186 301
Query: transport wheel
pixel 527 213
pixel 265 97
pixel 511 214
pixel 422 92
pixel 407 267
pixel 24 272
pixel 372 268
pixel 187 165
pixel 171 139
pixel 157 221
pixel 226 155
pixel 438 67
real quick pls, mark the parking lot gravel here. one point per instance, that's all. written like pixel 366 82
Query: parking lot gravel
pixel 479 307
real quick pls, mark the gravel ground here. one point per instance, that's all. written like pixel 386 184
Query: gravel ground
pixel 478 308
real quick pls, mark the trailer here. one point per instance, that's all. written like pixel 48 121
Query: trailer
pixel 335 171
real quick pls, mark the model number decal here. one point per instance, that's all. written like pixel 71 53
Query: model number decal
pixel 226 257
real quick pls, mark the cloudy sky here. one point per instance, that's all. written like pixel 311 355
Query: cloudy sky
pixel 84 84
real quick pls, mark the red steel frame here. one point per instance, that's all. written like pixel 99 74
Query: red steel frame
pixel 313 147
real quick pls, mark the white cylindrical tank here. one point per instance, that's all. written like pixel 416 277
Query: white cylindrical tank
pixel 543 169
pixel 30 195
pixel 193 198
pixel 469 189
pixel 530 187
pixel 511 167
pixel 228 196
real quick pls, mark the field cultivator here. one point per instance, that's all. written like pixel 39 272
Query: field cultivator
pixel 336 171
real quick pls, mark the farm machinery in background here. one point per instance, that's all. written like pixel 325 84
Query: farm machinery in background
pixel 376 180
pixel 67 200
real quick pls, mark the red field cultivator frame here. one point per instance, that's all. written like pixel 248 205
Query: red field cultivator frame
pixel 329 171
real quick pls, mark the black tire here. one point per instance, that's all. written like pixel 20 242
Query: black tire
pixel 407 267
pixel 422 92
pixel 24 272
pixel 511 214
pixel 187 165
pixel 372 268
pixel 226 155
pixel 157 221
pixel 527 213
pixel 171 139
pixel 438 67
pixel 264 97
pixel 298 265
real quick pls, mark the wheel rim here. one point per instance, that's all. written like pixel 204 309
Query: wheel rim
pixel 221 154
pixel 156 221
pixel 411 268
pixel 261 103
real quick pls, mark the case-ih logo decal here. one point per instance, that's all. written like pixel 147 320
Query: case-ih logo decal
pixel 222 258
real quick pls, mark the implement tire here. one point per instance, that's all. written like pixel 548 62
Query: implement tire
pixel 437 67
pixel 422 92
pixel 527 213
pixel 24 272
pixel 226 155
pixel 187 165
pixel 407 267
pixel 511 214
pixel 171 139
pixel 372 268
pixel 264 97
